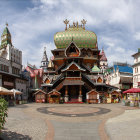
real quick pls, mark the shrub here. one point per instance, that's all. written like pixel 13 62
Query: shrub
pixel 3 112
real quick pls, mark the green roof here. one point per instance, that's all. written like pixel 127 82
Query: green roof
pixel 5 32
pixel 95 69
pixel 82 38
pixel 6 40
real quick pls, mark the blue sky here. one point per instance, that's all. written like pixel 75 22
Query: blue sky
pixel 33 23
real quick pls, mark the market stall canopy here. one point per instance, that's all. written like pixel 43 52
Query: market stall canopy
pixel 15 91
pixel 4 91
pixel 132 90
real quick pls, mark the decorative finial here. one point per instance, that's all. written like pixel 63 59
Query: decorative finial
pixel 83 22
pixel 6 24
pixel 74 25
pixel 66 22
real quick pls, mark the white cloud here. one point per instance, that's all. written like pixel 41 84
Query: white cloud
pixel 111 20
pixel 137 36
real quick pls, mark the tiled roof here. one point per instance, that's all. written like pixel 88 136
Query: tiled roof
pixel 124 68
pixel 95 69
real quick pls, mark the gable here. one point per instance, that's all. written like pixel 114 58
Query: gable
pixel 99 80
pixel 47 81
pixel 73 66
pixel 72 50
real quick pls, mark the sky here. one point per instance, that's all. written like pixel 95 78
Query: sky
pixel 33 23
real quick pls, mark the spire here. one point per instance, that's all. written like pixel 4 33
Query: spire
pixel 5 37
pixel 44 62
pixel 103 56
pixel 44 59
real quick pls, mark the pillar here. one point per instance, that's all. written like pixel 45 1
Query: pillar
pixel 66 94
pixel 80 94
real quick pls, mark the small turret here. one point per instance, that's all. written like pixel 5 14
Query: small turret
pixel 44 62
pixel 103 61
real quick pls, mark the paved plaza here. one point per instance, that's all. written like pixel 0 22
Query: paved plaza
pixel 72 122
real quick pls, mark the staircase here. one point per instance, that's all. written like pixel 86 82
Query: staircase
pixel 73 101
pixel 59 86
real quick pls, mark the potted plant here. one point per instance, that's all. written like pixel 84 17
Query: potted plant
pixel 3 112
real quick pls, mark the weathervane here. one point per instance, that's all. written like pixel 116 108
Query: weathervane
pixel 66 22
pixel 83 22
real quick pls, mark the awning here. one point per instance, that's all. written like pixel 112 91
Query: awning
pixel 15 91
pixel 132 90
pixel 4 91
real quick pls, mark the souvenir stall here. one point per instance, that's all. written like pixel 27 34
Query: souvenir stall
pixel 115 97
pixel 133 97
pixel 92 97
pixel 40 96
pixel 54 96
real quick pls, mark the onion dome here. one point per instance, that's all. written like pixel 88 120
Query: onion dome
pixel 95 69
pixel 81 37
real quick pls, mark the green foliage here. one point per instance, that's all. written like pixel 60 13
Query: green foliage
pixel 3 112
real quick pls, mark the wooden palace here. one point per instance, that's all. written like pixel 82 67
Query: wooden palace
pixel 73 74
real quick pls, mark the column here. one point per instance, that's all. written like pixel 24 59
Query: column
pixel 66 94
pixel 80 94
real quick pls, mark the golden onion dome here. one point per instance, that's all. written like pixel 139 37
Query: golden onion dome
pixel 82 38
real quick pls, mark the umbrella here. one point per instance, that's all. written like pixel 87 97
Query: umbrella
pixel 4 91
pixel 15 91
pixel 132 90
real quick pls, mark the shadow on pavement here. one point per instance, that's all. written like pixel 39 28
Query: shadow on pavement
pixel 9 135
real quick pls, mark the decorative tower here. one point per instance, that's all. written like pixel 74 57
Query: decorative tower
pixel 6 44
pixel 5 37
pixel 103 61
pixel 44 62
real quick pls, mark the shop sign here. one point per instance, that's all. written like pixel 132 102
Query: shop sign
pixel 8 83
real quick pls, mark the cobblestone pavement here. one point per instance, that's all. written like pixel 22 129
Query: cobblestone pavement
pixel 21 126
pixel 26 122
pixel 124 127
pixel 76 131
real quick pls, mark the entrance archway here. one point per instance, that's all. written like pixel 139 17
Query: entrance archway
pixel 73 92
